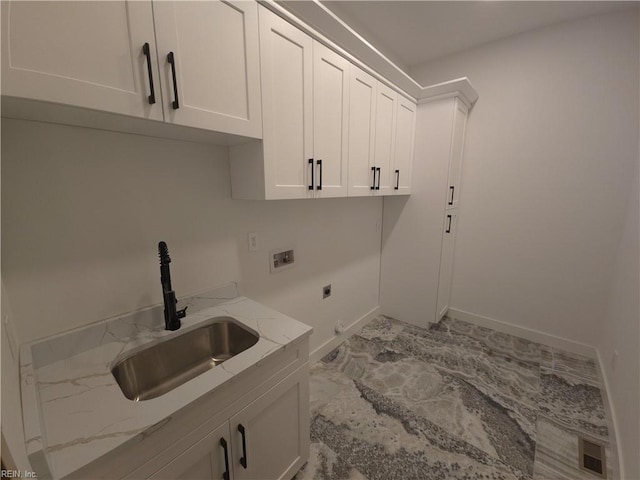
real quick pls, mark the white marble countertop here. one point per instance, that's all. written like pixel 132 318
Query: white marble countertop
pixel 74 411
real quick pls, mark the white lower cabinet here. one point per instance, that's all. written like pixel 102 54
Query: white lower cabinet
pixel 206 459
pixel 267 439
pixel 271 435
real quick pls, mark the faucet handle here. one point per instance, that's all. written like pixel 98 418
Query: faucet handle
pixel 182 313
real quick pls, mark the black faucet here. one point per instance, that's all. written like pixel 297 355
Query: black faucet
pixel 171 315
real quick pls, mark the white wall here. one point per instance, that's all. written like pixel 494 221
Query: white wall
pixel 620 332
pixel 83 211
pixel 550 148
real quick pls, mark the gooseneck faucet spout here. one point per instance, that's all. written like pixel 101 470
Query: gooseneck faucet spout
pixel 171 315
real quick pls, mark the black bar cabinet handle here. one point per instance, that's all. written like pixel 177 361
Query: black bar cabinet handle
pixel 397 180
pixel 311 163
pixel 449 227
pixel 225 475
pixel 172 62
pixel 378 185
pixel 319 187
pixel 243 459
pixel 152 93
pixel 373 185
pixel 452 188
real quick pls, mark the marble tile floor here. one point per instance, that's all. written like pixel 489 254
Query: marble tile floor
pixel 454 401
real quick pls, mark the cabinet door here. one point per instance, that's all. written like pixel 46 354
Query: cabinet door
pixel 205 460
pixel 286 62
pixel 446 263
pixel 362 130
pixel 215 52
pixel 403 161
pixel 86 54
pixel 275 442
pixel 386 111
pixel 330 121
pixel 457 150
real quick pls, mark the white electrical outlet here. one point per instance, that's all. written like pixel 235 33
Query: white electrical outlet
pixel 253 242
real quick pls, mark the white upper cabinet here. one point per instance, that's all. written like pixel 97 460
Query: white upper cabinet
pixel 457 150
pixel 86 54
pixel 286 62
pixel 197 65
pixel 209 62
pixel 362 129
pixel 381 135
pixel 384 150
pixel 305 108
pixel 403 158
pixel 329 128
pixel 330 121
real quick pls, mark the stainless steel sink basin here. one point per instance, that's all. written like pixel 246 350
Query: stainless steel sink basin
pixel 156 370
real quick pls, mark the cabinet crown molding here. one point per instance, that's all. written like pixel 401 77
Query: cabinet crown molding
pixel 460 88
pixel 313 17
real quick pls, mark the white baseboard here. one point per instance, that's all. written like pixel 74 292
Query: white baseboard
pixel 526 333
pixel 332 343
pixel 617 461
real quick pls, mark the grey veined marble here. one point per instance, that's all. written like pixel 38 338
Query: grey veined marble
pixel 454 401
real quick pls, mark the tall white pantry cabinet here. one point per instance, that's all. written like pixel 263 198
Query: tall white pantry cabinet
pixel 419 231
pixel 458 127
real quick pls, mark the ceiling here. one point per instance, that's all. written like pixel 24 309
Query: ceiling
pixel 411 33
